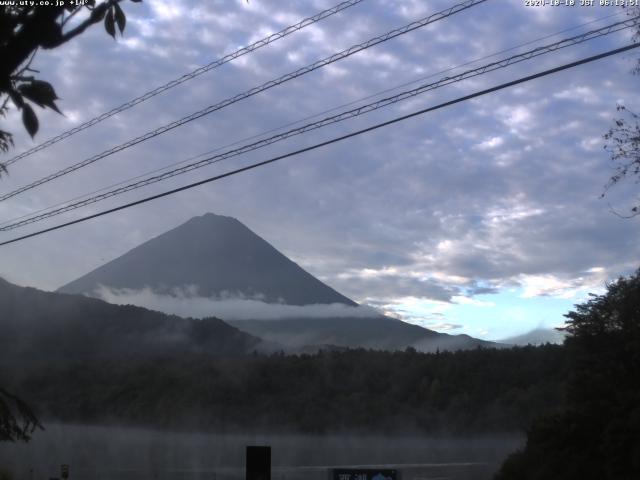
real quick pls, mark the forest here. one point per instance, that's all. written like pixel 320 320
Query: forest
pixel 597 434
pixel 478 390
pixel 579 403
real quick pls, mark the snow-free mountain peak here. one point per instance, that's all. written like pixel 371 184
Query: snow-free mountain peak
pixel 217 255
pixel 216 260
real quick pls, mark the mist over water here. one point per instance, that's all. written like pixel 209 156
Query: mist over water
pixel 123 453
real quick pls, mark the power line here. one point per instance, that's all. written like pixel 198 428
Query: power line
pixel 315 115
pixel 188 76
pixel 266 86
pixel 490 67
pixel 333 140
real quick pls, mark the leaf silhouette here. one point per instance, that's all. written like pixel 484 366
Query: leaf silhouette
pixel 121 19
pixel 40 93
pixel 109 24
pixel 29 119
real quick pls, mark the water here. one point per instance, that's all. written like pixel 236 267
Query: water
pixel 105 453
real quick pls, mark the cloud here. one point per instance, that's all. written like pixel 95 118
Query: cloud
pixel 388 287
pixel 490 143
pixel 580 93
pixel 185 302
pixel 444 326
pixel 471 301
pixel 167 11
pixel 592 281
pixel 468 200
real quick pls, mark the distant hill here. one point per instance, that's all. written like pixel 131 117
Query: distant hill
pixel 538 336
pixel 218 258
pixel 39 325
pixel 381 333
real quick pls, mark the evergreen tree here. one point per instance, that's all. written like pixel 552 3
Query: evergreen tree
pixel 598 436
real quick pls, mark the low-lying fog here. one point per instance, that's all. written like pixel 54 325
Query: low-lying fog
pixel 186 302
pixel 117 453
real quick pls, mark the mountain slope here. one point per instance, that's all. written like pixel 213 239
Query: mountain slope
pixel 217 254
pixel 44 326
pixel 539 336
pixel 224 260
pixel 379 333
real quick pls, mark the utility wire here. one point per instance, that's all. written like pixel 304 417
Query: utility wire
pixel 270 84
pixel 333 140
pixel 310 117
pixel 336 118
pixel 188 76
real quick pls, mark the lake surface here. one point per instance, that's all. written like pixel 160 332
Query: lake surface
pixel 105 453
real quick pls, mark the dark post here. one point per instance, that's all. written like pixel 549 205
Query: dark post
pixel 258 466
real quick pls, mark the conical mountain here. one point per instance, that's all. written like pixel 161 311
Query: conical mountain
pixel 220 257
pixel 217 257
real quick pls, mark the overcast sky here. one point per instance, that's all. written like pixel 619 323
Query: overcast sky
pixel 483 218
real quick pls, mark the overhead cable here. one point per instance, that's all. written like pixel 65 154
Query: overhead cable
pixel 188 76
pixel 490 67
pixel 304 119
pixel 266 86
pixel 329 142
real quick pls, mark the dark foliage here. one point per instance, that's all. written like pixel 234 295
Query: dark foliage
pixel 360 390
pixel 623 139
pixel 598 436
pixel 623 144
pixel 17 420
pixel 26 27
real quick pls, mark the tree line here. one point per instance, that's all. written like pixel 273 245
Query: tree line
pixel 479 390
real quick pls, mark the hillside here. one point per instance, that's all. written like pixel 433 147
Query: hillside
pixel 43 326
pixel 538 336
pixel 381 333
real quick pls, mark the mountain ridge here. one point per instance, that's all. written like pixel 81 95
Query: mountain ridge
pixel 537 336
pixel 220 257
pixel 49 326
pixel 187 259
